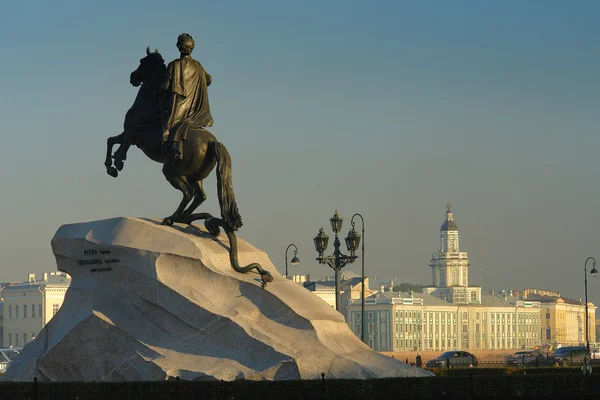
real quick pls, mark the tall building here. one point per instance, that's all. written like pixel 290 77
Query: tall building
pixel 450 267
pixel 450 314
pixel 29 306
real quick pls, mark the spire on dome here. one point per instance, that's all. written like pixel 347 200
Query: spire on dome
pixel 449 224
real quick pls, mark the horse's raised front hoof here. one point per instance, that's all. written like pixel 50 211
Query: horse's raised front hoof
pixel 112 172
pixel 119 164
pixel 167 222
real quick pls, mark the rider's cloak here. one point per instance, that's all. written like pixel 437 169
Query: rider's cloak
pixel 187 83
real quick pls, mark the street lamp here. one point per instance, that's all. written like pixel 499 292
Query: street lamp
pixel 593 272
pixel 337 260
pixel 352 242
pixel 295 260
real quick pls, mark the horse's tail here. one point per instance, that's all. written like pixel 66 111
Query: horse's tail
pixel 229 210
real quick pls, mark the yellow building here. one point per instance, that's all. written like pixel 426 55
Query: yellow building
pixel 564 318
pixel 29 306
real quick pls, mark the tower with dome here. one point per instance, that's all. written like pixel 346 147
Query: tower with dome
pixel 450 267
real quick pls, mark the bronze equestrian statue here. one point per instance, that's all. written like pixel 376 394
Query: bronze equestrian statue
pixel 186 83
pixel 167 121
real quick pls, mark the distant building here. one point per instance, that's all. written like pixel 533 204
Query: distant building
pixel 30 305
pixel 2 286
pixel 420 321
pixel 563 318
pixel 350 285
pixel 450 314
pixel 450 268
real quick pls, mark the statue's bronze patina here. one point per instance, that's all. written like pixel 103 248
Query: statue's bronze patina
pixel 186 84
pixel 167 121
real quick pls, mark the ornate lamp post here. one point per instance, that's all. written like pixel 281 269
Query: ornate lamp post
pixel 593 272
pixel 352 241
pixel 337 260
pixel 295 260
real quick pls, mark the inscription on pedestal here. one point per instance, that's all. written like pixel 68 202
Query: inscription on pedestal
pixel 96 260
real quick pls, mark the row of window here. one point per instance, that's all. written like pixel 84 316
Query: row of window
pixel 16 339
pixel 25 307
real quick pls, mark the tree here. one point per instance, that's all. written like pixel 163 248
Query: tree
pixel 407 287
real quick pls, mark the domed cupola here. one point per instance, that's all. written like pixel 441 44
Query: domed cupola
pixel 449 224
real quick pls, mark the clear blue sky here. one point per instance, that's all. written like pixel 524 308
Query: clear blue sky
pixel 387 108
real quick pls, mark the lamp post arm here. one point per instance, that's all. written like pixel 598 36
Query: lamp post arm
pixel 330 261
pixel 286 257
pixel 286 250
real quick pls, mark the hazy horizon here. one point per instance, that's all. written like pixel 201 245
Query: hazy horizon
pixel 388 109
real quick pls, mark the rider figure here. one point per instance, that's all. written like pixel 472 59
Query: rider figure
pixel 186 85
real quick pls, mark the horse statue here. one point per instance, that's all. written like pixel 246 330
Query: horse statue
pixel 143 127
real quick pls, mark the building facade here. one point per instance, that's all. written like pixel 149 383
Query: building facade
pixel 29 306
pixel 422 322
pixel 563 318
pixel 450 313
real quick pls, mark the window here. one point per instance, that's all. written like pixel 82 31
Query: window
pixel 454 276
pixel 33 311
pixel 10 311
pixel 24 310
pixel 9 339
pixel 32 335
pixel 17 312
pixel 464 329
pixel 24 337
pixel 40 310
pixel 16 340
pixel 55 308
pixel 442 279
pixel 464 315
pixel 473 296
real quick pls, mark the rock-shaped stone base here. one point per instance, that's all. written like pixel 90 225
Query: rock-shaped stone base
pixel 150 302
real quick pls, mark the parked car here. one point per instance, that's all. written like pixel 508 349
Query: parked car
pixel 526 357
pixel 455 358
pixel 571 355
pixel 595 354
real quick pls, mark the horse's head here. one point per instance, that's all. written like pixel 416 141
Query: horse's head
pixel 151 70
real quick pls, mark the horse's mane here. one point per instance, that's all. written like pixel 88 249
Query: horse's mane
pixel 157 65
pixel 156 55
